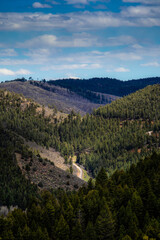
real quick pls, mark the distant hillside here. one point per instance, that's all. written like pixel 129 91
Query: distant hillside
pixel 104 85
pixel 55 96
pixel 79 95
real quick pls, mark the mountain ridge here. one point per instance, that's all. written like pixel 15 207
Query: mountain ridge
pixel 106 85
pixel 82 96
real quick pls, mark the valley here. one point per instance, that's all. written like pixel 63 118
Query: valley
pixel 46 155
pixel 80 120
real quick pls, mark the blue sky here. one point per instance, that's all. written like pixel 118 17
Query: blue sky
pixel 79 39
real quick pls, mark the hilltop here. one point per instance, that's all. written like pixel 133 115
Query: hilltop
pixel 88 87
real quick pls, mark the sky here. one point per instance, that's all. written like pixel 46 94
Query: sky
pixel 55 39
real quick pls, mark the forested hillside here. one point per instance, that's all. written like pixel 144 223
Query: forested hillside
pixel 123 207
pixel 87 88
pixel 79 95
pixel 114 136
pixel 20 117
pixel 15 190
pixel 124 202
pixel 57 97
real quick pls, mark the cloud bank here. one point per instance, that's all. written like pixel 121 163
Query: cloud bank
pixel 8 72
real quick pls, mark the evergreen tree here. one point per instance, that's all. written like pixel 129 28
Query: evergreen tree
pixel 90 232
pixel 62 229
pixel 105 224
pixel 102 178
pixel 77 233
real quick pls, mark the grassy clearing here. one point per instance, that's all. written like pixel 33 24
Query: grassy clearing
pixel 86 177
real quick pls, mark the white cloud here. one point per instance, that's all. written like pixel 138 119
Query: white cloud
pixel 149 2
pixel 77 1
pixel 53 2
pixel 39 53
pixel 22 72
pixel 4 71
pixel 67 67
pixel 141 12
pixel 77 40
pixel 7 52
pixel 73 66
pixel 50 42
pixel 40 5
pixel 151 64
pixel 34 60
pixel 120 40
pixel 137 46
pixel 43 40
pixel 76 22
pixel 80 1
pixel 122 70
pixel 126 56
pixel 69 75
pixel 8 72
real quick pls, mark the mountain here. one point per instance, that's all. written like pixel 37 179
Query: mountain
pixel 54 96
pixel 82 96
pixel 88 87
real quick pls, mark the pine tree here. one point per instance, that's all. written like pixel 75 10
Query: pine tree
pixel 102 178
pixel 137 206
pixel 77 233
pixel 105 224
pixel 62 229
pixel 26 233
pixel 127 238
pixel 90 233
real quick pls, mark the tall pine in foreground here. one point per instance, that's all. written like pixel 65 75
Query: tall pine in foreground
pixel 105 224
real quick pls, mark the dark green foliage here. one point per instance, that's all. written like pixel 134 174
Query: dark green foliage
pixel 139 105
pixel 14 188
pixel 105 224
pixel 123 206
pixel 90 213
pixel 62 229
pixel 112 137
pixel 102 178
pixel 104 85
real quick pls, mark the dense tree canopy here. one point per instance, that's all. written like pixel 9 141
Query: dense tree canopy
pixel 113 137
pixel 125 207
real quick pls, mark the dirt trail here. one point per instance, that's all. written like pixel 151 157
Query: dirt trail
pixel 56 158
pixel 79 171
